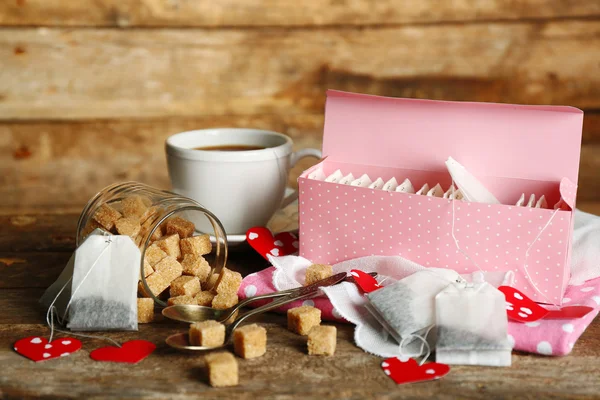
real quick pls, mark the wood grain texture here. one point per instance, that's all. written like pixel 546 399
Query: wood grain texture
pixel 58 166
pixel 257 13
pixel 108 73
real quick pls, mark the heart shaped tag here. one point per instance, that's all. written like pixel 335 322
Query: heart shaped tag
pixel 365 281
pixel 38 349
pixel 520 307
pixel 131 352
pixel 408 371
pixel 262 240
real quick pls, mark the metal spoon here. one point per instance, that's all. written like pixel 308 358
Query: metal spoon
pixel 192 313
pixel 181 340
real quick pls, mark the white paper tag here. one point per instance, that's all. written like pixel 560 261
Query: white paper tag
pixel 335 177
pixel 541 203
pixel 531 202
pixel 390 185
pixel 378 184
pixel 406 187
pixel 436 191
pixel 424 189
pixel 317 175
pixel 521 200
pixel 346 180
pixel 363 181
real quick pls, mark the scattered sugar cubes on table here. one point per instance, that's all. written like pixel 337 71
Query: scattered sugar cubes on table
pixel 322 340
pixel 205 298
pixel 229 282
pixel 145 310
pixel 182 300
pixel 179 226
pixel 170 245
pixel 185 285
pixel 222 369
pixel 196 266
pixel 128 226
pixel 107 216
pixel 302 319
pixel 224 300
pixel 207 333
pixel 197 245
pixel 250 341
pixel 316 272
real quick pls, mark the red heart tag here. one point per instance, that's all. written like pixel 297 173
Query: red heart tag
pixel 38 349
pixel 570 312
pixel 520 307
pixel 131 352
pixel 365 281
pixel 410 372
pixel 261 239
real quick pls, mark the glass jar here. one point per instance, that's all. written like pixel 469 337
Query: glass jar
pixel 160 205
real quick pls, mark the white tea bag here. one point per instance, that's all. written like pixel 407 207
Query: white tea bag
pixel 346 180
pixel 104 287
pixel 531 202
pixel 390 185
pixel 363 181
pixel 521 200
pixel 436 191
pixel 407 307
pixel 472 326
pixel 406 187
pixel 541 203
pixel 378 184
pixel 317 175
pixel 448 193
pixel 424 189
pixel 335 177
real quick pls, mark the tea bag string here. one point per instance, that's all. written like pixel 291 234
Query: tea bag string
pixel 525 266
pixel 52 312
pixel 424 344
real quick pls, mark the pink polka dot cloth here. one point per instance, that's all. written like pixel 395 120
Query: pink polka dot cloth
pixel 547 337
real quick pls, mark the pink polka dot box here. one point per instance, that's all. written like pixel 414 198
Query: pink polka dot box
pixel 511 149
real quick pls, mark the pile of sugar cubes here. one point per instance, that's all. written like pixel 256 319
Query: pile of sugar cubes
pixel 250 341
pixel 174 263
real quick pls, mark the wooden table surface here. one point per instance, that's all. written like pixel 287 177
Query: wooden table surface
pixel 35 248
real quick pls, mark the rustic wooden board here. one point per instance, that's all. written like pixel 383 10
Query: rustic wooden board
pixel 110 73
pixel 58 166
pixel 206 13
pixel 284 372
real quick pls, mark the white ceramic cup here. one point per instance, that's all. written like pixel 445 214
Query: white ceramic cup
pixel 242 188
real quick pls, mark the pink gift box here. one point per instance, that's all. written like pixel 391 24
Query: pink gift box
pixel 511 149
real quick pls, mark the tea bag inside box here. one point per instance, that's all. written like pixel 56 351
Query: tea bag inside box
pixel 378 184
pixel 363 181
pixel 472 325
pixel 335 177
pixel 406 187
pixel 390 185
pixel 407 307
pixel 104 287
pixel 347 179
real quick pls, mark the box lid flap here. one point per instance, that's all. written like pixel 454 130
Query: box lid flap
pixel 504 140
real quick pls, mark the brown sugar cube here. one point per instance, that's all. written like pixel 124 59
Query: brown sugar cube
pixel 207 333
pixel 205 299
pixel 151 214
pixel 147 269
pixel 185 285
pixel 211 282
pixel 129 226
pixel 224 300
pixel 133 206
pixel 250 341
pixel 222 369
pixel 167 270
pixel 229 281
pixel 198 245
pixel 321 340
pixel 145 311
pixel 302 319
pixel 107 216
pixel 182 227
pixel 316 272
pixel 154 254
pixel 196 266
pixel 182 300
pixel 170 245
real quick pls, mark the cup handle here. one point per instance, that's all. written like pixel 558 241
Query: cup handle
pixel 297 156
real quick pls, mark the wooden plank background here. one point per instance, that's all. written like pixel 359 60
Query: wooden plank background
pixel 90 89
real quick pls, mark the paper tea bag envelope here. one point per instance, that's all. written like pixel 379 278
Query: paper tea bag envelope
pixel 510 149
